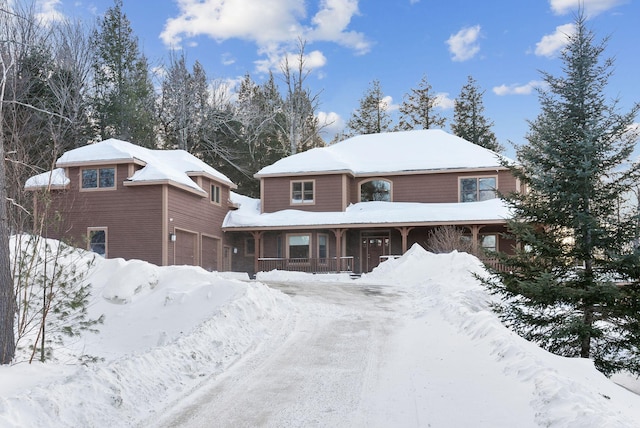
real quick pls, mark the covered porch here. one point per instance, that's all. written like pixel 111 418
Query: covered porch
pixel 356 249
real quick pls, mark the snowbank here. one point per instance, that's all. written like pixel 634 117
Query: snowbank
pixel 566 392
pixel 166 329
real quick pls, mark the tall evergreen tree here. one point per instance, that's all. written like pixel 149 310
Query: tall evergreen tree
pixel 372 116
pixel 559 289
pixel 469 121
pixel 262 136
pixel 124 98
pixel 418 108
pixel 183 105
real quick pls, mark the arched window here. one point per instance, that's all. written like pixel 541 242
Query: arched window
pixel 375 190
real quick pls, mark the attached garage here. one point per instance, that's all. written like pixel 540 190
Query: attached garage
pixel 210 251
pixel 186 248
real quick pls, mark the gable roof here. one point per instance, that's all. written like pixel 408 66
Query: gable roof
pixel 392 152
pixel 158 165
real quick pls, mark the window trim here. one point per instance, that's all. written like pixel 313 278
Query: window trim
pixel 302 202
pixel 477 178
pixel 367 180
pixel 106 239
pixel 497 238
pixel 215 194
pixel 288 248
pixel 98 188
pixel 322 260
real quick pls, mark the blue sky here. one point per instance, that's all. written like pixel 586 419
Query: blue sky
pixel 503 44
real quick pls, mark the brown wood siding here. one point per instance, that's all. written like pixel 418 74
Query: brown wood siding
pixel 432 188
pixel 131 215
pixel 327 193
pixel 194 213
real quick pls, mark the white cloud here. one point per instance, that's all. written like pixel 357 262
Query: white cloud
pixel 387 104
pixel 274 61
pixel 227 59
pixel 464 44
pixel 331 123
pixel 331 23
pixel 516 89
pixel 590 7
pixel 270 24
pixel 47 11
pixel 552 43
pixel 263 22
pixel 444 102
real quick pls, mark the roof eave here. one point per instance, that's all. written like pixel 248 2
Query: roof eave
pixel 366 225
pixel 181 186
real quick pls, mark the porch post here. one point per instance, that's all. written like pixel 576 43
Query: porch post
pixel 404 231
pixel 475 229
pixel 338 234
pixel 257 253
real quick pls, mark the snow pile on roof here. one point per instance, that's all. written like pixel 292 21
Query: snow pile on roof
pixel 419 150
pixel 172 165
pixel 375 212
pixel 55 179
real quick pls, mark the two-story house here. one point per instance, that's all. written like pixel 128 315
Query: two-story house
pixel 347 206
pixel 122 200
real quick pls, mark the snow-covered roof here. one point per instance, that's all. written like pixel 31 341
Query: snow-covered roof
pixel 53 179
pixel 419 150
pixel 159 165
pixel 367 213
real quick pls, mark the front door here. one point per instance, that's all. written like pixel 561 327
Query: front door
pixel 374 246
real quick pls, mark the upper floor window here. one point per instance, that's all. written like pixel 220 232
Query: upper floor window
pixel 99 178
pixel 375 190
pixel 474 189
pixel 215 194
pixel 302 192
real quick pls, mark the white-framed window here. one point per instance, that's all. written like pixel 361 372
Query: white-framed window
pixel 215 194
pixel 302 192
pixel 375 190
pixel 474 189
pixel 298 246
pixel 489 242
pixel 97 240
pixel 98 178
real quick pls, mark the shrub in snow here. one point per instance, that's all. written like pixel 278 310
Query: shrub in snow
pixel 52 295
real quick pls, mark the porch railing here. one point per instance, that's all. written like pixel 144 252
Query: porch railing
pixel 324 265
pixel 495 264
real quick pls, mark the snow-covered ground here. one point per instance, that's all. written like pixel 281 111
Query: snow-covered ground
pixel 170 332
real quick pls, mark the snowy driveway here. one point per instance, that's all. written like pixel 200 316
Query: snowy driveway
pixel 315 376
pixel 422 349
pixel 358 356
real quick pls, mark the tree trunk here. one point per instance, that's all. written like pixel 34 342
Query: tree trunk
pixel 585 340
pixel 7 298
